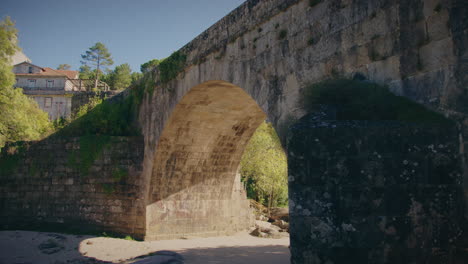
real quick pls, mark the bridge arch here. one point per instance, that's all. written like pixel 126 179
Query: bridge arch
pixel 194 187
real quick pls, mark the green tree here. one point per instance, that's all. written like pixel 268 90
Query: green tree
pixel 21 118
pixel 136 76
pixel 263 167
pixel 120 77
pixel 8 48
pixel 86 72
pixel 148 66
pixel 99 58
pixel 64 67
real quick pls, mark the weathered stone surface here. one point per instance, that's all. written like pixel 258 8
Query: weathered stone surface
pixel 252 65
pixel 374 192
pixel 41 187
pixel 414 47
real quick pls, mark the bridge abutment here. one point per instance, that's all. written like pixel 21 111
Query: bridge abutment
pixel 375 192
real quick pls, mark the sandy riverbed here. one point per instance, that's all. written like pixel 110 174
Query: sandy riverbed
pixel 36 247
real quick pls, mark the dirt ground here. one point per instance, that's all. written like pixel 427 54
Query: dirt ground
pixel 25 247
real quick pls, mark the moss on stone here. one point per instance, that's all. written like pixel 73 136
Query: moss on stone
pixel 91 148
pixel 362 100
pixel 119 174
pixel 171 66
pixel 108 188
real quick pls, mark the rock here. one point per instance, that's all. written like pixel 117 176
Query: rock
pixel 281 224
pixel 256 232
pixel 266 230
pixel 279 213
pixel 261 217
pixel 262 224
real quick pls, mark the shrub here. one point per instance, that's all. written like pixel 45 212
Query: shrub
pixel 171 66
pixel 359 100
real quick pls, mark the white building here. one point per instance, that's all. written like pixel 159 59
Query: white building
pixel 51 89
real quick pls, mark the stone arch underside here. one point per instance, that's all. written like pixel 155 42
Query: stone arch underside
pixel 195 187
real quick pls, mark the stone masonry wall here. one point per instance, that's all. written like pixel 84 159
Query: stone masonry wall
pixel 272 49
pixel 87 184
pixel 375 192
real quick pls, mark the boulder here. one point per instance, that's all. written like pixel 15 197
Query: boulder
pixel 279 213
pixel 281 224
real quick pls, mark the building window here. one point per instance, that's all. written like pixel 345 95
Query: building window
pixel 30 70
pixel 47 102
pixel 50 83
pixel 31 83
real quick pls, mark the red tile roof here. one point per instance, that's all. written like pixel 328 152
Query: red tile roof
pixel 51 72
pixel 68 73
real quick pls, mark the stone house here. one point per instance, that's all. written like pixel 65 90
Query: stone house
pixel 51 89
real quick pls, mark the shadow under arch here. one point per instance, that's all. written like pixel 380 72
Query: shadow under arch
pixel 193 188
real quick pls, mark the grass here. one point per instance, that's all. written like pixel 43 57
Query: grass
pixel 358 100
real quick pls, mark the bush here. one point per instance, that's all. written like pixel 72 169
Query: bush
pixel 171 66
pixel 361 100
pixel 116 117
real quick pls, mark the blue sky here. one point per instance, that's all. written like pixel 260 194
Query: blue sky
pixel 52 32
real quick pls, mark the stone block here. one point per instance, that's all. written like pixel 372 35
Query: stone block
pixel 436 55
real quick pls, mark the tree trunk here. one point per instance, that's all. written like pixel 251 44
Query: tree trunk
pixel 97 74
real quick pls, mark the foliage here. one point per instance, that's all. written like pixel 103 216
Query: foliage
pixel 115 117
pixel 21 118
pixel 129 238
pixel 263 167
pixel 361 100
pixel 171 66
pixel 64 67
pixel 148 66
pixel 99 57
pixel 120 78
pixel 8 48
pixel 136 76
pixel 84 109
pixel 86 72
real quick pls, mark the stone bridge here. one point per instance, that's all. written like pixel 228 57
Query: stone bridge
pixel 359 191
